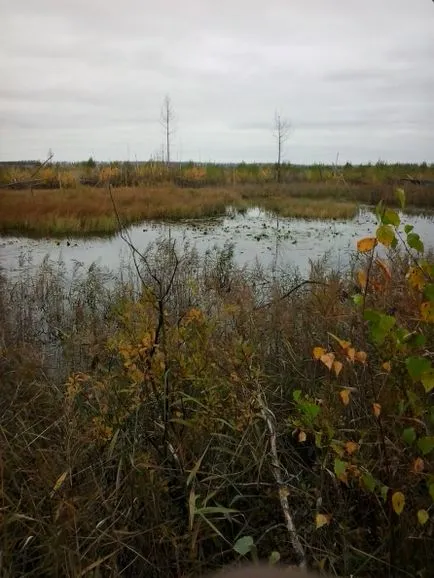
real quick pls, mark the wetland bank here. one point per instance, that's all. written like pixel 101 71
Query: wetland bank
pixel 163 415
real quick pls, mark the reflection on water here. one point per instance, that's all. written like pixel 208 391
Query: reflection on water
pixel 256 235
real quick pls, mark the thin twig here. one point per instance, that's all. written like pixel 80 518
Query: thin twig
pixel 283 488
pixel 288 293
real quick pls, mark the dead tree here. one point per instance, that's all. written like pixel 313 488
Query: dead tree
pixel 167 117
pixel 281 134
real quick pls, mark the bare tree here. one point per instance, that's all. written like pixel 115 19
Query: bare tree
pixel 282 128
pixel 167 117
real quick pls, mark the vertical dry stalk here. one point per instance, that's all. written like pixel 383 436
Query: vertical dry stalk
pixel 269 419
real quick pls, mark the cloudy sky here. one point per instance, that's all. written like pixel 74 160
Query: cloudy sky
pixel 88 77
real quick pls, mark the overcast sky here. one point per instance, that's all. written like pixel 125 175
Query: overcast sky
pixel 88 77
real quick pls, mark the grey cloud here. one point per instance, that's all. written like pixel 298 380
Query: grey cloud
pixel 80 75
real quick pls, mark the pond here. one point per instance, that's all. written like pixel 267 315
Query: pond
pixel 256 236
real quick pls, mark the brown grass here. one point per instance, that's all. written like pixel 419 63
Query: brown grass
pixel 88 211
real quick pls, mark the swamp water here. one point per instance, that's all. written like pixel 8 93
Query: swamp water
pixel 257 236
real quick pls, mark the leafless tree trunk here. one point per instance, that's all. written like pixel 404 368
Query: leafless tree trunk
pixel 281 134
pixel 166 119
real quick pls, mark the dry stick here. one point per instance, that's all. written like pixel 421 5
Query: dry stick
pixel 160 328
pixel 283 488
pixel 288 293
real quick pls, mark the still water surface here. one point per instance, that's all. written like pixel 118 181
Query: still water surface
pixel 255 234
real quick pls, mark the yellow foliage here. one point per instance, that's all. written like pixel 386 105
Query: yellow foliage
pixel 416 278
pixel 376 408
pixel 361 356
pixel 418 466
pixel 351 447
pixel 366 244
pixel 422 517
pixel 328 359
pixel 322 520
pixel 318 352
pixel 387 366
pixel 351 354
pixel 337 367
pixel 427 311
pixel 345 396
pixel 398 502
pixel 362 279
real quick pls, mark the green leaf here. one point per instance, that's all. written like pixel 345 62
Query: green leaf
pixel 387 322
pixel 422 517
pixel 390 217
pixel 296 394
pixel 384 492
pixel 427 380
pixel 416 366
pixel 415 339
pixel 408 229
pixel 429 291
pixel 358 299
pixel 400 195
pixel 310 410
pixel 244 545
pixel 385 235
pixel 274 558
pixel 340 467
pixel 409 435
pixel 415 243
pixel 369 482
pixel 379 209
pixel 380 325
pixel 371 315
pixel 426 444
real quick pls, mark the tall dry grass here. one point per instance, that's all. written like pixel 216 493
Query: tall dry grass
pixel 89 211
pixel 132 422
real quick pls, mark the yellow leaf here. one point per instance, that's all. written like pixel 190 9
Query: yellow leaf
pixel 344 344
pixel 387 366
pixel 318 352
pixel 302 436
pixel 398 502
pixel 376 408
pixel 418 466
pixel 351 353
pixel 422 517
pixel 59 482
pixel 384 268
pixel 351 447
pixel 416 278
pixel 427 311
pixel 337 367
pixel 328 359
pixel 362 279
pixel 345 396
pixel 361 356
pixel 322 520
pixel 366 244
